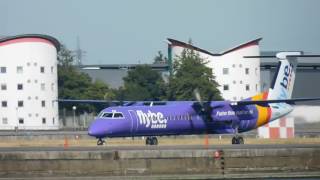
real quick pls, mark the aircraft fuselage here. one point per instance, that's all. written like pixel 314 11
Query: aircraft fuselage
pixel 180 118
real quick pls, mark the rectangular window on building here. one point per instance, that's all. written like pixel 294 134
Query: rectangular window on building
pixel 44 121
pixel 20 86
pixel 225 71
pixel 43 87
pixel 3 70
pixel 4 104
pixel 21 121
pixel 247 71
pixel 4 120
pixel 53 120
pixel 19 69
pixel 225 87
pixel 42 69
pixel 20 103
pixel 3 87
pixel 43 103
pixel 52 69
pixel 247 87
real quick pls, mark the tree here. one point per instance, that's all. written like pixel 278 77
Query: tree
pixel 65 57
pixel 142 83
pixel 73 84
pixel 190 72
pixel 160 59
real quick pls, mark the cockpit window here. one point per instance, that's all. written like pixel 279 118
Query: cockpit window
pixel 113 115
pixel 118 115
pixel 107 115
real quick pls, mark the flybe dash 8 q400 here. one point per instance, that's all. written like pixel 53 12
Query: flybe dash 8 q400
pixel 152 119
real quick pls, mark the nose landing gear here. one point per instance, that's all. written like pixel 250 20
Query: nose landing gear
pixel 151 141
pixel 101 142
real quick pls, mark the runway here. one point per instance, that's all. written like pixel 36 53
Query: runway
pixel 161 147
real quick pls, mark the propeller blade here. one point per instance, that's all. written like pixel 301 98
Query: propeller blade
pixel 203 108
pixel 197 95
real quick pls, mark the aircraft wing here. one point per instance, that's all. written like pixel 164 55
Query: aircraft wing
pixel 122 103
pixel 266 102
pixel 89 101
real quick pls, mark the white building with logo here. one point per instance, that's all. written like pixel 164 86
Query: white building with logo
pixel 28 82
pixel 237 76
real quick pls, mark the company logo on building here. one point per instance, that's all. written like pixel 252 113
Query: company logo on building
pixel 152 120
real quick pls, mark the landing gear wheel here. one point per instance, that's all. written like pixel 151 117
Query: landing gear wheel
pixel 154 141
pixel 148 141
pixel 237 140
pixel 240 140
pixel 101 142
pixel 234 140
pixel 151 141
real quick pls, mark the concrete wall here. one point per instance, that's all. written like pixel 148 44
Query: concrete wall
pixel 191 163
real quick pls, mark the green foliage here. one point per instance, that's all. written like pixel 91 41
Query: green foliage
pixel 190 72
pixel 142 84
pixel 74 84
pixel 160 59
pixel 65 57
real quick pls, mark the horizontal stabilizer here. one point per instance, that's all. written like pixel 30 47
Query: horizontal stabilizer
pixel 266 102
pixel 310 55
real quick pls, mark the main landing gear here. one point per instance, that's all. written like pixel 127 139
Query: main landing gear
pixel 151 141
pixel 237 140
pixel 101 142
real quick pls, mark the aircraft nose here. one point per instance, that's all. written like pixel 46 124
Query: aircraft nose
pixel 90 132
pixel 97 130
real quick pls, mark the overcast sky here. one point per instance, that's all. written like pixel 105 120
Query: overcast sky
pixel 128 31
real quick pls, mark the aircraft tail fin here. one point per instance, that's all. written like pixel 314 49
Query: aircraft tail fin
pixel 283 81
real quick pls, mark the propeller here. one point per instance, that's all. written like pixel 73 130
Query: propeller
pixel 203 108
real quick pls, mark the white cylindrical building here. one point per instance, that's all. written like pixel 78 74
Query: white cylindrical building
pixel 238 77
pixel 28 82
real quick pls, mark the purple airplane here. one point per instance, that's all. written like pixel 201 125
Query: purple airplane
pixel 152 119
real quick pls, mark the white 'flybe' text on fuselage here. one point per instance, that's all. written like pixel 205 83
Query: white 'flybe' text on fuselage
pixel 152 120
